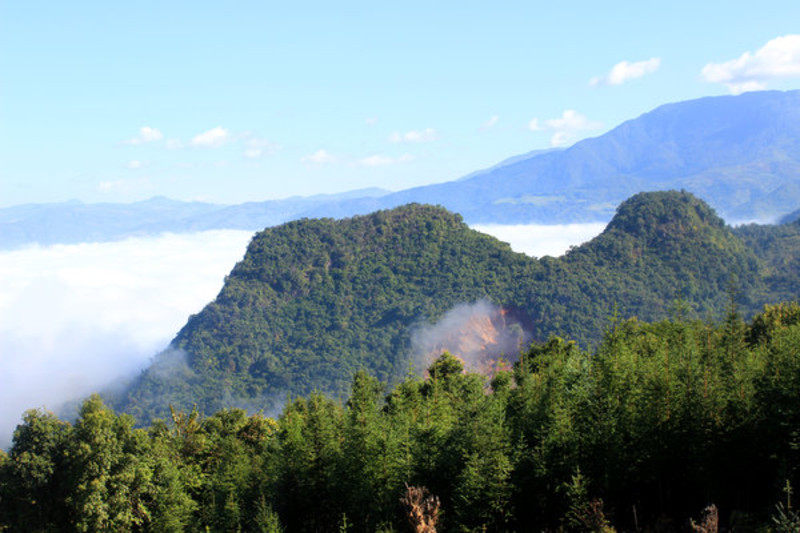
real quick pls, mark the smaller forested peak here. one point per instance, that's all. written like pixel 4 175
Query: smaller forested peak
pixel 675 237
pixel 664 214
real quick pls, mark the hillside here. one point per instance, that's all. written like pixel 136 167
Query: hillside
pixel 313 301
pixel 662 251
pixel 778 248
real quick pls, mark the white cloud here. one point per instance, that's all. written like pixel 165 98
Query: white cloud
pixel 746 86
pixel 146 135
pixel 213 138
pixel 134 164
pixel 566 128
pixel 421 136
pixel 382 160
pixel 561 138
pixel 256 147
pixel 320 157
pixel 74 318
pixel 371 121
pixel 779 58
pixel 150 134
pixel 490 123
pixel 625 71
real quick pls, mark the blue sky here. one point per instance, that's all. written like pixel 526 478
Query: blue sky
pixel 246 101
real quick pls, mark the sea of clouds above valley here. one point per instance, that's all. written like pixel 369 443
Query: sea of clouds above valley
pixel 75 319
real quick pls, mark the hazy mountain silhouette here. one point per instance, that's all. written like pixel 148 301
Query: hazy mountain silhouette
pixel 741 154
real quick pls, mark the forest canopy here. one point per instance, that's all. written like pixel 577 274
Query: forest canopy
pixel 314 301
pixel 658 422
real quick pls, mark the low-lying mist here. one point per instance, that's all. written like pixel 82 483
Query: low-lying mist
pixel 76 318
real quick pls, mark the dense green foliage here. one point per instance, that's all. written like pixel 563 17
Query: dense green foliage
pixel 314 301
pixel 778 247
pixel 646 430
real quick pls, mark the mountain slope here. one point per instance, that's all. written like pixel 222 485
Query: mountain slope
pixel 778 248
pixel 659 250
pixel 315 300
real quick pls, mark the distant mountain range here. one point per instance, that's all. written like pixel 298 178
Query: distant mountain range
pixel 741 154
pixel 74 221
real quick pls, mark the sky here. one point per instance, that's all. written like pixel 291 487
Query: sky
pixel 247 101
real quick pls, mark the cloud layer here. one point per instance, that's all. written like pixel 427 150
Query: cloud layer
pixel 779 58
pixel 75 318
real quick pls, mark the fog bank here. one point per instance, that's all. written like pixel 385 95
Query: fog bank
pixel 75 318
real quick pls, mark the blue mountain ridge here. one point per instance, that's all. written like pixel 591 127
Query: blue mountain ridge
pixel 740 154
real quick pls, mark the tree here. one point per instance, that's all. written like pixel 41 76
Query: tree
pixel 31 481
pixel 109 478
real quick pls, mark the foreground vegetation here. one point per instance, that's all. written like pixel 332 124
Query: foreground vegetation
pixel 658 422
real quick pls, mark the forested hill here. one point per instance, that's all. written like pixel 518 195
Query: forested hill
pixel 313 301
